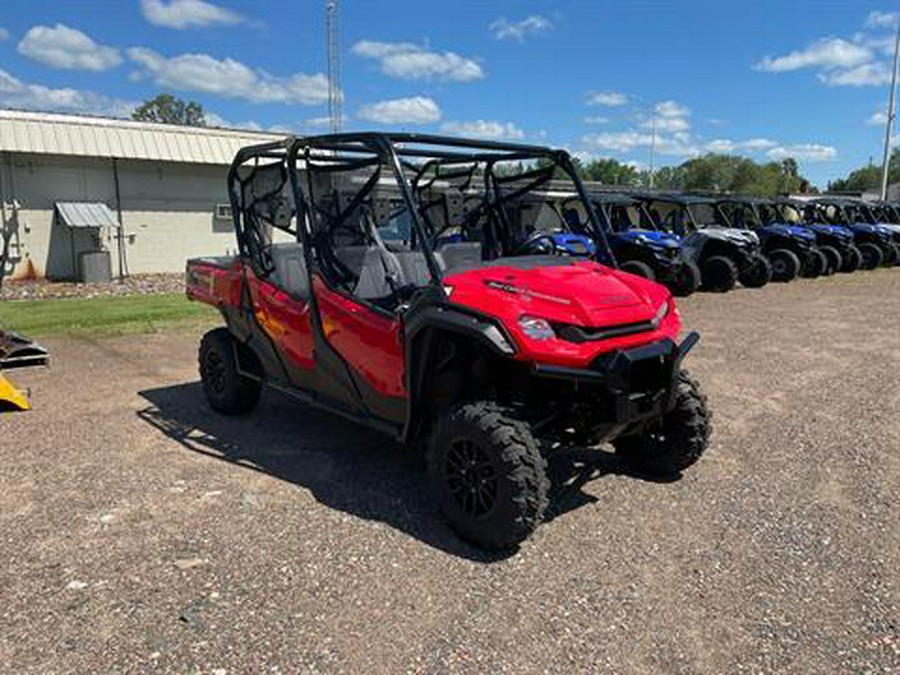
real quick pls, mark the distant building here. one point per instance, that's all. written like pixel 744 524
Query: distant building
pixel 66 181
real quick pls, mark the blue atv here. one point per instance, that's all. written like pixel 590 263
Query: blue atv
pixel 836 242
pixel 642 249
pixel 874 241
pixel 792 251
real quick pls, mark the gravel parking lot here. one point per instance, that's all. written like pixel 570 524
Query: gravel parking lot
pixel 141 532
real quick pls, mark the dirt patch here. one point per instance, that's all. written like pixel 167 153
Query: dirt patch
pixel 140 531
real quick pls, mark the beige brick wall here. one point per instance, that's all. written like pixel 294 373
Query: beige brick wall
pixel 167 210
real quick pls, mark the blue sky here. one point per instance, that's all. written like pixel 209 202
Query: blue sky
pixel 764 79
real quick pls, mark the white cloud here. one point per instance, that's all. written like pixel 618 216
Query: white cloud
pixel 596 120
pixel 610 99
pixel 182 14
pixel 883 19
pixel 878 119
pixel 666 124
pixel 672 109
pixel 804 152
pixel 4 34
pixel 484 129
pixel 215 120
pixel 874 74
pixel 677 145
pixel 408 61
pixel 504 29
pixel 825 53
pixel 17 94
pixel 726 146
pixel 414 110
pixel 63 47
pixel 229 78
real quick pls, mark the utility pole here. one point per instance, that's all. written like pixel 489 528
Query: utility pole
pixel 333 64
pixel 891 113
pixel 652 145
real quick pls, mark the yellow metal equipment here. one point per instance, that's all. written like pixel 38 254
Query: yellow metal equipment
pixel 17 352
pixel 11 398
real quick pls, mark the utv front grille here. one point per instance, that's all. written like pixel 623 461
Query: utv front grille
pixel 581 334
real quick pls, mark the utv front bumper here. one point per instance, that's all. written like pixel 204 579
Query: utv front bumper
pixel 624 388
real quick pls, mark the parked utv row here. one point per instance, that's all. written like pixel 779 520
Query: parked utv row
pixel 746 240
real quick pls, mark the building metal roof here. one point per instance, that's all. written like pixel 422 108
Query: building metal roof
pixel 80 135
pixel 86 214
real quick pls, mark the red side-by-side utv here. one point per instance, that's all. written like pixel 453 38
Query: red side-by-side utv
pixel 410 283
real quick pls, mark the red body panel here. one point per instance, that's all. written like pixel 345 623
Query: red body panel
pixel 583 294
pixel 370 342
pixel 285 319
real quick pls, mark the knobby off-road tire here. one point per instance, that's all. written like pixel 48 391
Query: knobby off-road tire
pixel 676 442
pixel 891 255
pixel 638 268
pixel 815 265
pixel 488 475
pixel 851 260
pixel 833 256
pixel 758 274
pixel 225 388
pixel 785 265
pixel 872 256
pixel 686 280
pixel 719 274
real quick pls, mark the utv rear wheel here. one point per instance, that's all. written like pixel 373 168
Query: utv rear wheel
pixel 785 265
pixel 815 265
pixel 872 256
pixel 891 255
pixel 834 259
pixel 226 389
pixel 686 280
pixel 488 475
pixel 719 274
pixel 758 274
pixel 851 260
pixel 638 268
pixel 677 441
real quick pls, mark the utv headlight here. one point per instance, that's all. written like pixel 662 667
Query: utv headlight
pixel 536 328
pixel 661 313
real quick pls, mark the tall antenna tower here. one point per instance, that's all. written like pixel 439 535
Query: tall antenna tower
pixel 333 66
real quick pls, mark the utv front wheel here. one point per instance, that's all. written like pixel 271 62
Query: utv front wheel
pixel 638 268
pixel 834 259
pixel 851 260
pixel 785 265
pixel 719 274
pixel 758 274
pixel 686 280
pixel 488 475
pixel 872 256
pixel 677 441
pixel 815 266
pixel 226 389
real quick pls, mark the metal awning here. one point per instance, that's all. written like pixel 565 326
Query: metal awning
pixel 86 214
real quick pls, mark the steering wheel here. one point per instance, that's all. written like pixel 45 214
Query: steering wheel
pixel 532 245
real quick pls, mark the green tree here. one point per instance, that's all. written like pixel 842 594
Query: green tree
pixel 867 178
pixel 168 109
pixel 610 172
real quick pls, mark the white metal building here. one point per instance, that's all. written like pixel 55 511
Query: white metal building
pixel 67 181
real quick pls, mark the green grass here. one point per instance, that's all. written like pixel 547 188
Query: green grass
pixel 104 315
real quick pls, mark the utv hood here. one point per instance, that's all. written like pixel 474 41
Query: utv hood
pixel 578 293
pixel 651 238
pixel 834 230
pixel 785 230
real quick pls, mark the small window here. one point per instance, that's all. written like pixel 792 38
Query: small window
pixel 223 211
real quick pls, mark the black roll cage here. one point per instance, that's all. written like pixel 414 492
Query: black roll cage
pixel 393 149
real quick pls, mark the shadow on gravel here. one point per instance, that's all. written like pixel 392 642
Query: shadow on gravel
pixel 345 466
